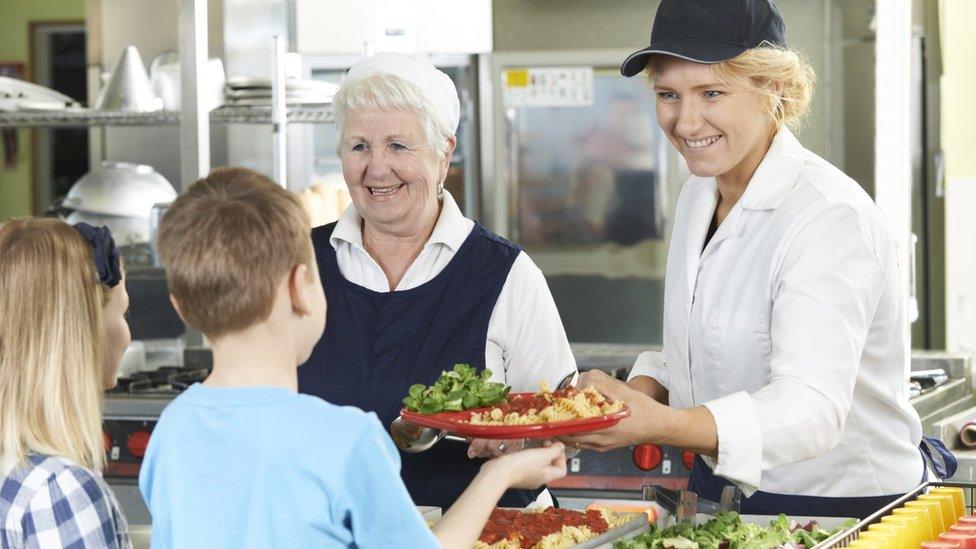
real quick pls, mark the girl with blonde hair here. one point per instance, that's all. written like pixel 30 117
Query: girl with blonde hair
pixel 62 336
pixel 784 350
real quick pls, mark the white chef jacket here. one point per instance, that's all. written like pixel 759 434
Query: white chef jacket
pixel 787 327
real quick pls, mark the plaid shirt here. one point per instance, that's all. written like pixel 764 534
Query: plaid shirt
pixel 52 502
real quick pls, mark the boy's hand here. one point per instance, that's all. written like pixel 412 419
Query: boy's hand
pixel 531 468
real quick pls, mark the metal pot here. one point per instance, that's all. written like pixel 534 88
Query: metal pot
pixel 120 189
pixel 126 231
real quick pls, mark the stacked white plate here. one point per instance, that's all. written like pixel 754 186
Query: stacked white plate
pixel 256 92
pixel 18 95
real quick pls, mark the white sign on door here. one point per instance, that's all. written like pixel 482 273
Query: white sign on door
pixel 548 87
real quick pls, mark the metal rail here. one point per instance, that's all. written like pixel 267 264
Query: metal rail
pixel 220 115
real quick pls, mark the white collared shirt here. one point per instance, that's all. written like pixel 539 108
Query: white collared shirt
pixel 526 340
pixel 787 327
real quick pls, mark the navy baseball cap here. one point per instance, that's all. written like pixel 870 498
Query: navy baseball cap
pixel 709 31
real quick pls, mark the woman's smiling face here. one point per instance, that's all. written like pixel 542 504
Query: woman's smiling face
pixel 391 171
pixel 720 130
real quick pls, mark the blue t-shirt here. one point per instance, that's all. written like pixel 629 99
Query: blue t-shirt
pixel 267 467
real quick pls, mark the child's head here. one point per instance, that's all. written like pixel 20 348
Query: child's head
pixel 237 252
pixel 62 337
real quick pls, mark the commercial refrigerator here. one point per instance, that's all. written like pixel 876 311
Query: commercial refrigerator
pixel 578 172
pixel 462 176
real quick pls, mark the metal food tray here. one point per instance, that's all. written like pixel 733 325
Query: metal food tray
pixel 842 539
pixel 827 523
pixel 430 513
pixel 637 524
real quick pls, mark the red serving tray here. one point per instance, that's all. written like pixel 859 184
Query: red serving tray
pixel 457 423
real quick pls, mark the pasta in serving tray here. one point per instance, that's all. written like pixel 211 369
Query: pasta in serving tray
pixel 547 528
pixel 547 407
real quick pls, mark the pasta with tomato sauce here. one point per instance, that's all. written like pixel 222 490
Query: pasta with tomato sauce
pixel 547 528
pixel 547 407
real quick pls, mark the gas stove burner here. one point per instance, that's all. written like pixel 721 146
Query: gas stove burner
pixel 167 380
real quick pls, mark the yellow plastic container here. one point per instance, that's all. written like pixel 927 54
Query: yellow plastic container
pixel 935 514
pixel 886 539
pixel 922 515
pixel 958 498
pixel 912 524
pixel 949 516
pixel 866 544
pixel 899 532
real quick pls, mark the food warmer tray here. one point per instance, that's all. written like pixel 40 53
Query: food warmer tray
pixel 666 519
pixel 636 525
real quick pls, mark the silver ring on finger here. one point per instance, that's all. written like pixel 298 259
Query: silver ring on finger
pixel 502 448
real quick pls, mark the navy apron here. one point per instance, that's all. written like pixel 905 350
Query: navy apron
pixel 709 486
pixel 377 344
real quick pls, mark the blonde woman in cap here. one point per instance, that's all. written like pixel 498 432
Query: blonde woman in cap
pixel 413 286
pixel 783 361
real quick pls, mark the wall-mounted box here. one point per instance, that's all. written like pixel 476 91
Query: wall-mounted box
pixel 426 26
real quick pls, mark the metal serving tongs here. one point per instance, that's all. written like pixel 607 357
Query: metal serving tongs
pixel 414 439
pixel 685 505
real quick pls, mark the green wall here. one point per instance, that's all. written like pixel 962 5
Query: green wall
pixel 15 16
pixel 958 133
pixel 958 83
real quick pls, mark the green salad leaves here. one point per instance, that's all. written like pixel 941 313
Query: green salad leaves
pixel 459 389
pixel 727 531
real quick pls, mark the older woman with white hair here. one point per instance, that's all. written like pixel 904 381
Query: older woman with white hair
pixel 413 286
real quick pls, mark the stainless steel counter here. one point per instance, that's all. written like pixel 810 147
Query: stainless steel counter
pixel 953 397
pixel 946 409
pixel 140 535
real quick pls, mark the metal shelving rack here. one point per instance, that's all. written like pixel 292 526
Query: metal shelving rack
pixel 86 118
pixel 220 115
pixel 263 115
pixel 194 120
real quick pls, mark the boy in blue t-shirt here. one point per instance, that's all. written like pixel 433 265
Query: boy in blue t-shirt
pixel 243 460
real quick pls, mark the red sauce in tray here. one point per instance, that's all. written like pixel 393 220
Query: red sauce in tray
pixel 522 403
pixel 530 527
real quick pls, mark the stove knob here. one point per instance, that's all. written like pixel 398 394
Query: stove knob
pixel 647 456
pixel 137 443
pixel 106 441
pixel 688 458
